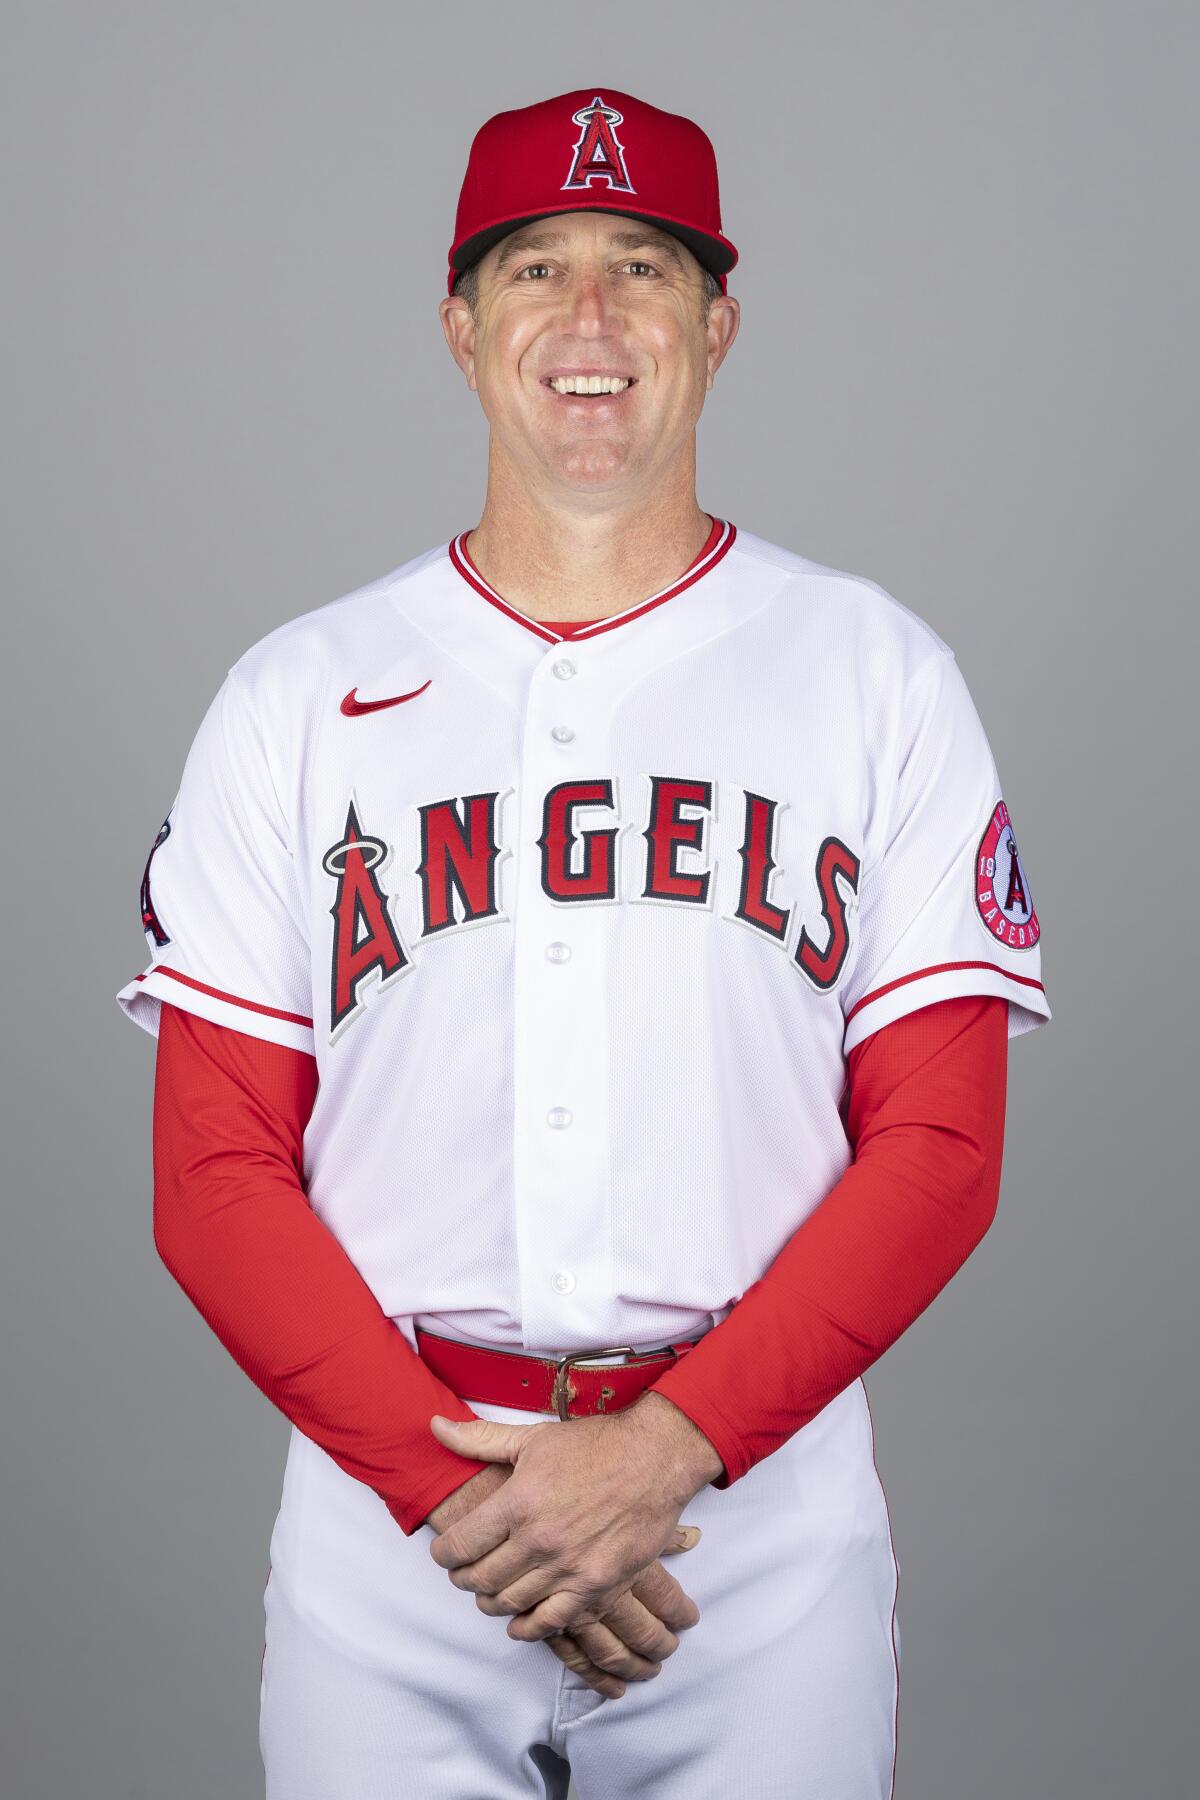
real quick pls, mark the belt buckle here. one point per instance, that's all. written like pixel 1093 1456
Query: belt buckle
pixel 562 1393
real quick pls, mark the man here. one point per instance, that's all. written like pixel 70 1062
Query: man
pixel 583 962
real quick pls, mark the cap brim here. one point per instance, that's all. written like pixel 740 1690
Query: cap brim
pixel 716 254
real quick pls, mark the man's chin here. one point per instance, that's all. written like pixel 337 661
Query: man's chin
pixel 591 466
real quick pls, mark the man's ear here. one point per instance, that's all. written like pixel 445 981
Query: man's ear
pixel 724 317
pixel 459 329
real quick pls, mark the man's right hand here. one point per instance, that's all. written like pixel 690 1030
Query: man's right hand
pixel 632 1640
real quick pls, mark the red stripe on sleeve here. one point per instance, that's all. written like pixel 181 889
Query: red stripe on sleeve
pixel 202 987
pixel 940 969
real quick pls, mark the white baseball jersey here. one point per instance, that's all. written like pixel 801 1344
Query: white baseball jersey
pixel 580 931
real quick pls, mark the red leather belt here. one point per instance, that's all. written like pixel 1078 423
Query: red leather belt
pixel 562 1385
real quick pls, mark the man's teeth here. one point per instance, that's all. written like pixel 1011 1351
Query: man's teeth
pixel 590 384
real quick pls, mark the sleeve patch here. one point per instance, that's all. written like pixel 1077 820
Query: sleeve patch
pixel 151 924
pixel 1003 899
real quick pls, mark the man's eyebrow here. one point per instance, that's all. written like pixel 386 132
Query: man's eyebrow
pixel 659 242
pixel 521 241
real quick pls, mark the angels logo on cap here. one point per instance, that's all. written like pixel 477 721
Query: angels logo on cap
pixel 598 154
pixel 1002 894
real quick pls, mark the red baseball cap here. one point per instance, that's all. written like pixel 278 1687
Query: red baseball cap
pixel 592 148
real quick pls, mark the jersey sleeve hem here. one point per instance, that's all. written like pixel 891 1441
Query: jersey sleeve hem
pixel 141 1000
pixel 413 1511
pixel 1028 1006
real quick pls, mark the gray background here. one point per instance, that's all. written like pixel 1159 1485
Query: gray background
pixel 964 371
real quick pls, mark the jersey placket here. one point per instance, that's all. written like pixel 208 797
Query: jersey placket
pixel 560 1049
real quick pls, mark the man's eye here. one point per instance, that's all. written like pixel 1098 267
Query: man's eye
pixel 638 264
pixel 529 266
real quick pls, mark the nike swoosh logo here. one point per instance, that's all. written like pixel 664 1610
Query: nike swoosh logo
pixel 354 708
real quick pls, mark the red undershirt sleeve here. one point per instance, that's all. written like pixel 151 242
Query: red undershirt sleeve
pixel 233 1225
pixel 925 1117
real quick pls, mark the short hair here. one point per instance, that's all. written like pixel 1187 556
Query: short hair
pixel 466 285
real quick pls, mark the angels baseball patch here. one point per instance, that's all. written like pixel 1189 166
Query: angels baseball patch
pixel 1002 893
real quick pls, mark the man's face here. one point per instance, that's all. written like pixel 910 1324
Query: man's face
pixel 590 293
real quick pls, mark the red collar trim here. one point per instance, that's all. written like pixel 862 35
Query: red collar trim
pixel 718 543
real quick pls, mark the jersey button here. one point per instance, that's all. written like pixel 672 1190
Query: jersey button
pixel 564 668
pixel 558 951
pixel 560 1117
pixel 562 734
pixel 563 1281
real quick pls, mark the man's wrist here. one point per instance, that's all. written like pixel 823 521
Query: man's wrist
pixel 480 1485
pixel 691 1455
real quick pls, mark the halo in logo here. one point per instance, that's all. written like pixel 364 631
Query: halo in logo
pixel 1002 896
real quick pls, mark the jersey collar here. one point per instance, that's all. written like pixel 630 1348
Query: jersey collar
pixel 718 543
pixel 503 647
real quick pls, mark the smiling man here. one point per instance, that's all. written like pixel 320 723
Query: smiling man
pixel 583 962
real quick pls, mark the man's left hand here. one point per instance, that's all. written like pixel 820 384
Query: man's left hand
pixel 590 1504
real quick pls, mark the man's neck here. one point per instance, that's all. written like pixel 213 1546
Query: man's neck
pixel 553 564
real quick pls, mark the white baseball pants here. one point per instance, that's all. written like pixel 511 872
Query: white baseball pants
pixel 381 1680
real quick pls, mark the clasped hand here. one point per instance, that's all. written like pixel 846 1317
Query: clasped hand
pixel 589 1505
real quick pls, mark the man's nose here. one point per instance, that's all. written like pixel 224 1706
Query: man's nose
pixel 591 303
